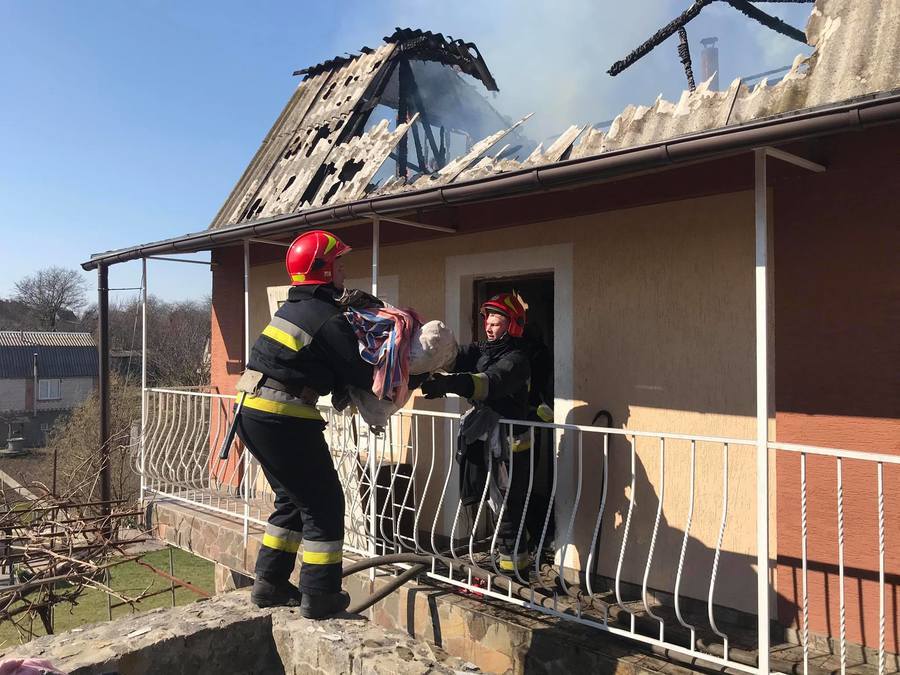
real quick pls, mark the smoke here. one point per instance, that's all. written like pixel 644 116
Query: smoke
pixel 551 58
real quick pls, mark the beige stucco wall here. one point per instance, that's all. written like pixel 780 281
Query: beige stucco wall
pixel 662 318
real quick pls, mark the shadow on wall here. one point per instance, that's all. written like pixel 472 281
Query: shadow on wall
pixel 632 504
pixel 635 543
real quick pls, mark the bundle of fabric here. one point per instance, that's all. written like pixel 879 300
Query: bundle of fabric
pixel 385 335
pixel 397 344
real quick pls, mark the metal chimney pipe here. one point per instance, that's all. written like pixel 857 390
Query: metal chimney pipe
pixel 709 62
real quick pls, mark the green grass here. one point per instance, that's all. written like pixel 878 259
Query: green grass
pixel 130 579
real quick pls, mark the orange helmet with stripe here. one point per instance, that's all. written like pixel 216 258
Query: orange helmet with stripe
pixel 310 258
pixel 510 305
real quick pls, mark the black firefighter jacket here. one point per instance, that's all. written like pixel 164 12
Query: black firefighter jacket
pixel 310 344
pixel 500 371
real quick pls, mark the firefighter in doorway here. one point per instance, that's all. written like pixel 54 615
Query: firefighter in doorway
pixel 307 350
pixel 494 375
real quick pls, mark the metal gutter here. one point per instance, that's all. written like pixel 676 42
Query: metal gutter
pixel 691 148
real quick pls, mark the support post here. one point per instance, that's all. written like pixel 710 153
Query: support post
pixel 376 245
pixel 103 389
pixel 373 469
pixel 245 456
pixel 144 400
pixel 762 410
pixel 246 301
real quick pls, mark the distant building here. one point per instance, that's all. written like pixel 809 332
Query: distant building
pixel 42 376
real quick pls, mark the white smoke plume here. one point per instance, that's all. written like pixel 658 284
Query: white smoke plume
pixel 551 58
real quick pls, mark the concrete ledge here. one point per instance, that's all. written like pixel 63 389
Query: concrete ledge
pixel 227 634
pixel 499 638
pixel 495 636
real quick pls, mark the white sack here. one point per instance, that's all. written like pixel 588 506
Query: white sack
pixel 433 348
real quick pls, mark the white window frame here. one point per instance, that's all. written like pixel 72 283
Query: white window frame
pixel 45 389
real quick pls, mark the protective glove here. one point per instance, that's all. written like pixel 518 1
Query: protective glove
pixel 415 381
pixel 440 385
pixel 340 398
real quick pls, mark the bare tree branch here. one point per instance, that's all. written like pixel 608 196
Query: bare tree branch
pixel 50 291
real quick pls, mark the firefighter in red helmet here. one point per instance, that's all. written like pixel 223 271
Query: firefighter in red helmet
pixel 307 350
pixel 494 375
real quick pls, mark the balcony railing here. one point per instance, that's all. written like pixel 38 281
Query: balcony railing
pixel 597 555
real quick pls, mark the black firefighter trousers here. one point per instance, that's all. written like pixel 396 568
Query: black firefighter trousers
pixel 309 502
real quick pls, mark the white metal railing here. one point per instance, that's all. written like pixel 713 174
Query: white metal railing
pixel 565 524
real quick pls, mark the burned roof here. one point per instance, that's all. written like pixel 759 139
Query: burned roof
pixel 330 142
pixel 57 355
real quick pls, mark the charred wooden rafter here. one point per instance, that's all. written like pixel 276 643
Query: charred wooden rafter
pixel 678 24
pixel 684 53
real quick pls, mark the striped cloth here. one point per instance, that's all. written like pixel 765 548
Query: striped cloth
pixel 385 335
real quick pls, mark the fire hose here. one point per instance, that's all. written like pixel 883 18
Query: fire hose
pixel 419 564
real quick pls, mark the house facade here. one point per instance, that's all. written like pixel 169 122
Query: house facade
pixel 718 275
pixel 42 376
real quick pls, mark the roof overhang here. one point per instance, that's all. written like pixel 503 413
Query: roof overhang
pixel 713 144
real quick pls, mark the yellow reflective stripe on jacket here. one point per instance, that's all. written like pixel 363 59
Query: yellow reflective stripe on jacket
pixel 545 412
pixel 481 382
pixel 280 543
pixel 282 338
pixel 521 444
pixel 322 557
pixel 299 410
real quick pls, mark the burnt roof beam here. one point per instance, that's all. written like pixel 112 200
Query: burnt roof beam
pixel 767 20
pixel 691 13
pixel 659 36
pixel 419 105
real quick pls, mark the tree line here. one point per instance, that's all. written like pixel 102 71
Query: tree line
pixel 56 299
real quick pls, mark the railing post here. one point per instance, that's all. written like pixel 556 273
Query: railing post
pixel 762 410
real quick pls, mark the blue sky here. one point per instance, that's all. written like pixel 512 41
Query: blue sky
pixel 128 122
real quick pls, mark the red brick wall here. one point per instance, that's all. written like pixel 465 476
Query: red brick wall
pixel 227 341
pixel 837 354
pixel 226 349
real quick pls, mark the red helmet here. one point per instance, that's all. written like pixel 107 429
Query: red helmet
pixel 512 307
pixel 310 259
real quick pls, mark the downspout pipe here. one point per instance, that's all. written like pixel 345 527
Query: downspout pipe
pixel 34 388
pixel 691 148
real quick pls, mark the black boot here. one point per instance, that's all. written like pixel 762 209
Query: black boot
pixel 275 594
pixel 324 606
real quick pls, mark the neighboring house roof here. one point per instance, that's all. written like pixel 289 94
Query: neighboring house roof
pixel 17 338
pixel 59 355
pixel 849 81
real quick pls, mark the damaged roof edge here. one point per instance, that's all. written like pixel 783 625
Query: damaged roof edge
pixel 871 111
